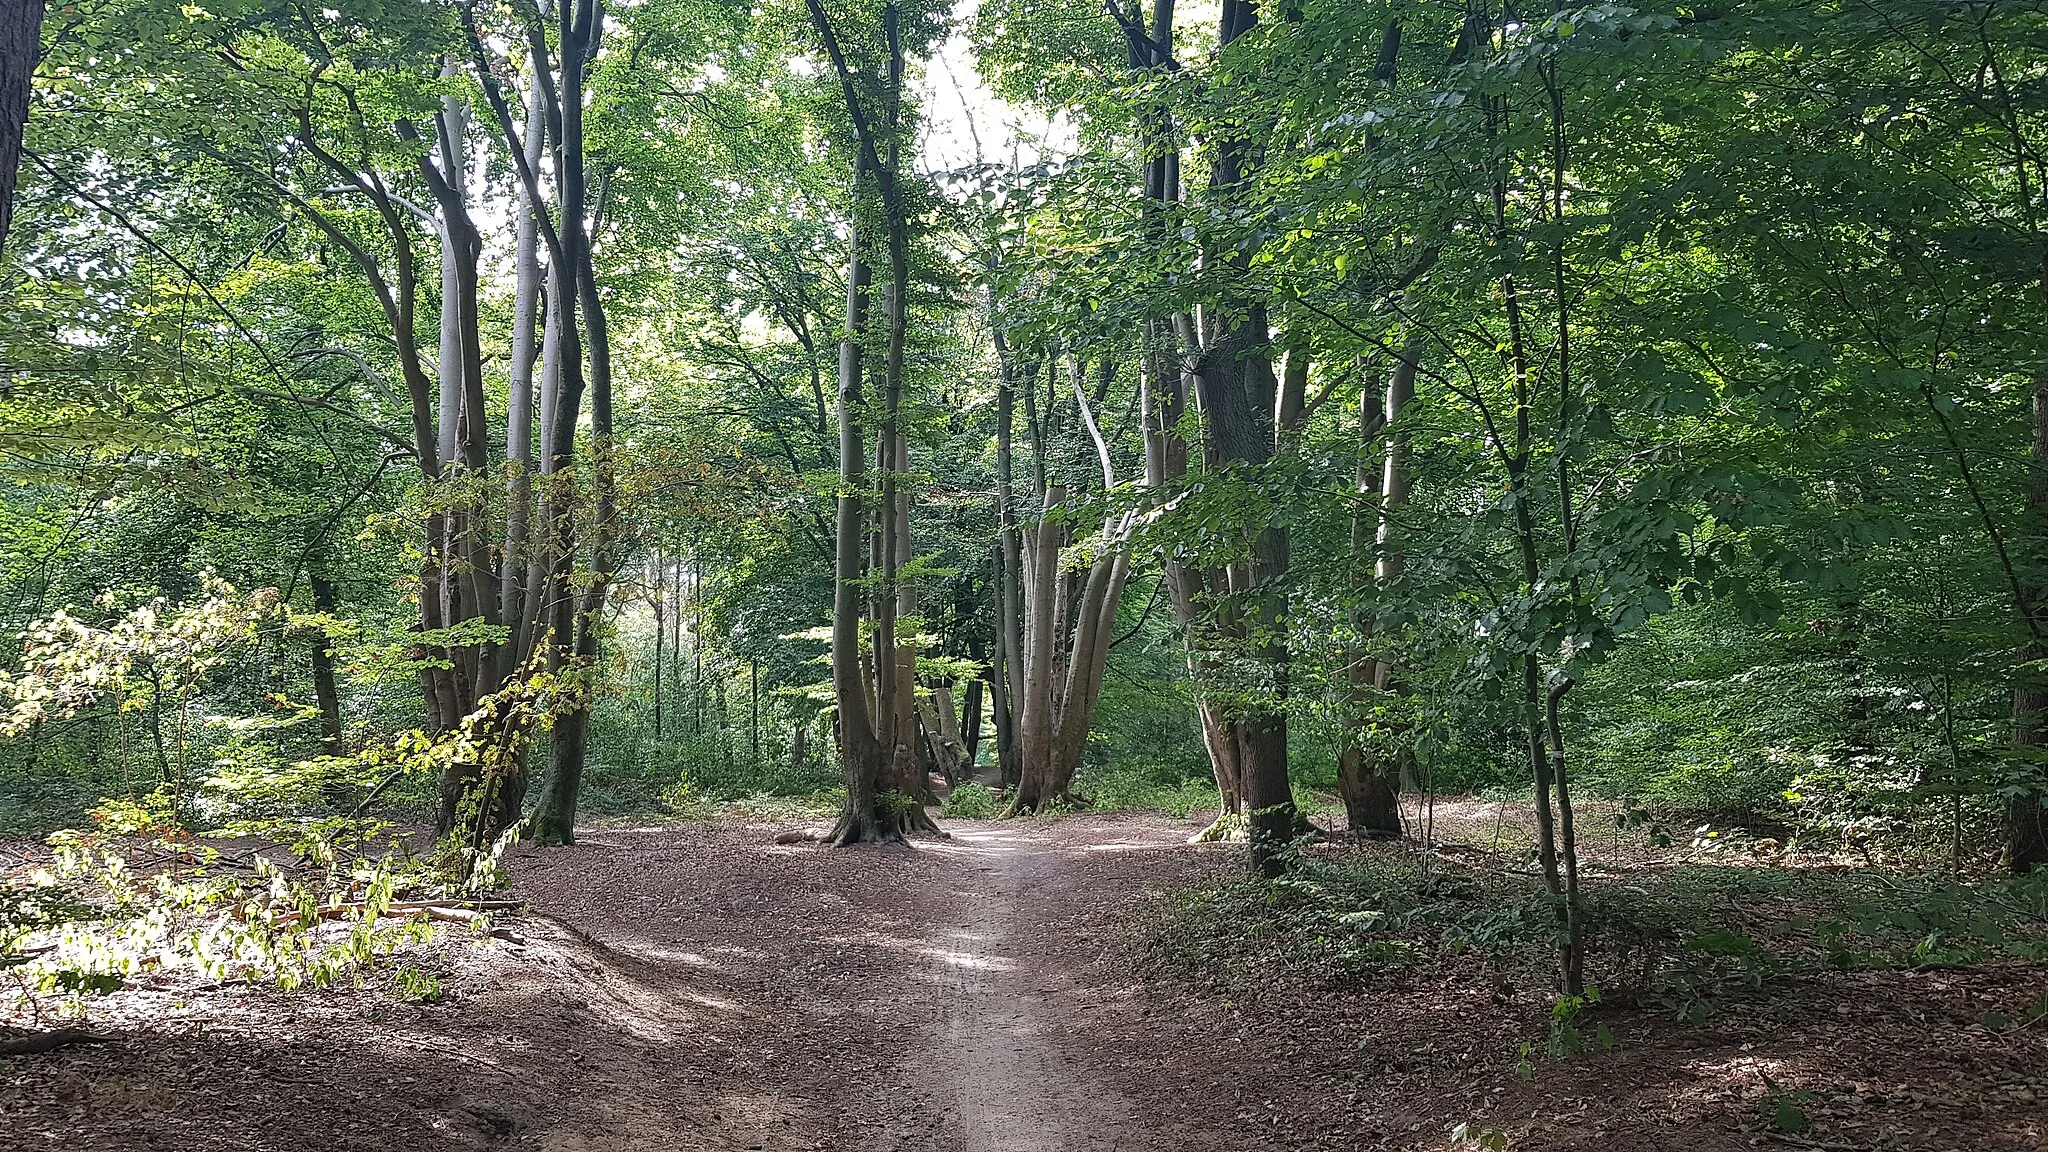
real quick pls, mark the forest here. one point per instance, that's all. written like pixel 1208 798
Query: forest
pixel 1018 575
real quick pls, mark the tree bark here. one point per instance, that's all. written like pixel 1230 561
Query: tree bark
pixel 860 753
pixel 324 690
pixel 2026 847
pixel 513 584
pixel 21 47
pixel 1238 393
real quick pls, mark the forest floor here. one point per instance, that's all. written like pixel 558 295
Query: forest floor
pixel 697 986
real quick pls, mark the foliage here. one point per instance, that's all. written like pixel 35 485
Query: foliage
pixel 1676 939
pixel 134 900
pixel 973 800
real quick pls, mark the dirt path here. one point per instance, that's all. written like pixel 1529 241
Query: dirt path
pixel 927 997
pixel 996 1058
pixel 696 987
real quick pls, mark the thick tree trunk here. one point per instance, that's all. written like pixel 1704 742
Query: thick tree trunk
pixel 1067 645
pixel 970 735
pixel 573 283
pixel 513 587
pixel 1005 721
pixel 942 732
pixel 659 603
pixel 912 781
pixel 1009 687
pixel 860 753
pixel 21 46
pixel 1370 779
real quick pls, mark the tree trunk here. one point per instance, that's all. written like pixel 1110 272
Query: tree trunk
pixel 574 283
pixel 1009 664
pixel 970 737
pixel 21 46
pixel 513 587
pixel 942 732
pixel 1369 778
pixel 1371 793
pixel 659 604
pixel 1067 640
pixel 324 691
pixel 2026 845
pixel 860 754
pixel 1005 721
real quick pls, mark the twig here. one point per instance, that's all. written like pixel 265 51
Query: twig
pixel 1825 1145
pixel 375 792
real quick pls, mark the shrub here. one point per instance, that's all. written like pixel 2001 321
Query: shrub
pixel 973 800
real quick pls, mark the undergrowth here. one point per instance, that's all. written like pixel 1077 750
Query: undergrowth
pixel 1676 939
pixel 135 900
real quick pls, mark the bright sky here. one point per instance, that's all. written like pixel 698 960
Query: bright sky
pixel 965 123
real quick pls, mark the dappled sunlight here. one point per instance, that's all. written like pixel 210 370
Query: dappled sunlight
pixel 974 960
pixel 673 956
pixel 1124 846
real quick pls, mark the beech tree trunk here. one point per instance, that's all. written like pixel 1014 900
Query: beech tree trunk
pixel 1370 778
pixel 1066 648
pixel 1370 790
pixel 860 753
pixel 1239 395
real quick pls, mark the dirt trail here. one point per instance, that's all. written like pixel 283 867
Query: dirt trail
pixel 996 1056
pixel 696 987
pixel 940 996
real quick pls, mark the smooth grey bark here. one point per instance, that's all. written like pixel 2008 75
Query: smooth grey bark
pixel 519 394
pixel 860 752
pixel 1066 649
pixel 1370 780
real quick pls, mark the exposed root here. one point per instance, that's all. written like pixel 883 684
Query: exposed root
pixel 799 836
pixel 1228 827
pixel 863 828
pixel 918 818
pixel 51 1041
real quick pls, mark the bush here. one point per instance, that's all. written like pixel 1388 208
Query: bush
pixel 973 800
pixel 1146 787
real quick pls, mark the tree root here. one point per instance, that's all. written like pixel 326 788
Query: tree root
pixel 1229 826
pixel 918 818
pixel 851 829
pixel 51 1041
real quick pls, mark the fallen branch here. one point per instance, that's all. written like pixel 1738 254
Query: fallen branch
pixel 459 911
pixel 375 792
pixel 51 1041
pixel 1822 1145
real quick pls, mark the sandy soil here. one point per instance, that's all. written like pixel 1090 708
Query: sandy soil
pixel 699 987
